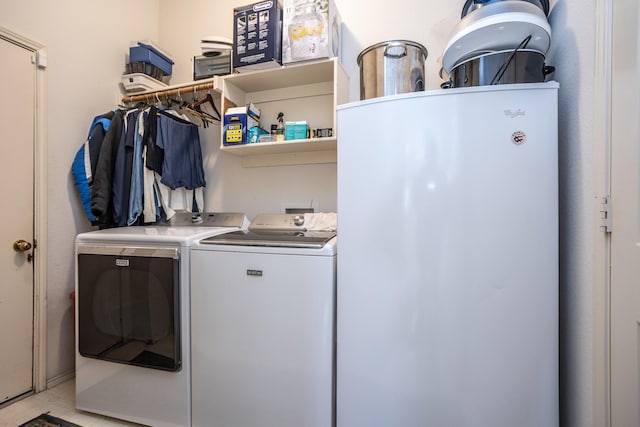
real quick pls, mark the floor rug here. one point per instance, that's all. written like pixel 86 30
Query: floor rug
pixel 46 420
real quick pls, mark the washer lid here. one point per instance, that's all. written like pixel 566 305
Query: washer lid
pixel 279 239
pixel 497 26
pixel 184 228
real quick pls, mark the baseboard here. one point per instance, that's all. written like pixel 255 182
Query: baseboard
pixel 59 379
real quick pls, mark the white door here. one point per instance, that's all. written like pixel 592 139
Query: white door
pixel 17 114
pixel 625 236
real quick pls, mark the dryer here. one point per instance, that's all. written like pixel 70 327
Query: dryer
pixel 263 326
pixel 132 318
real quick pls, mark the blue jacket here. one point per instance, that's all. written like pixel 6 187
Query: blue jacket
pixel 84 163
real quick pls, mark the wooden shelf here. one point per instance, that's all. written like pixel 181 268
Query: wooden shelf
pixel 285 76
pixel 277 147
pixel 299 151
pixel 307 91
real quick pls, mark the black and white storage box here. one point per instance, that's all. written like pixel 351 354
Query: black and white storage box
pixel 257 36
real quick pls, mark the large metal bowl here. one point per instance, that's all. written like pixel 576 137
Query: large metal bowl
pixel 504 67
pixel 391 67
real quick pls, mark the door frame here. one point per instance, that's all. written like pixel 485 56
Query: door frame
pixel 40 208
pixel 611 46
pixel 601 272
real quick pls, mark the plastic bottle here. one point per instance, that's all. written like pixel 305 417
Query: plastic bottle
pixel 280 127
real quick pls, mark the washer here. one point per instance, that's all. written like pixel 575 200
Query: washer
pixel 132 317
pixel 263 326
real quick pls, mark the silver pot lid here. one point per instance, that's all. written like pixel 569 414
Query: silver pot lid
pixel 498 26
pixel 392 44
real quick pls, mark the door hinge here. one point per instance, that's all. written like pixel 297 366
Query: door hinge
pixel 605 214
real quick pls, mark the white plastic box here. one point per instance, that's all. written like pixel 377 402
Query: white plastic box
pixel 138 82
pixel 311 30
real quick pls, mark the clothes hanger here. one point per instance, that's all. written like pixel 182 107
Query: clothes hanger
pixel 184 111
pixel 182 102
pixel 194 109
pixel 207 99
pixel 179 103
pixel 204 117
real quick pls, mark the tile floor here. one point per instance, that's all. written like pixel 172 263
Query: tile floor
pixel 59 401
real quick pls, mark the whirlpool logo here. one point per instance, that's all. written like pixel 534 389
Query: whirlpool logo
pixel 122 262
pixel 514 113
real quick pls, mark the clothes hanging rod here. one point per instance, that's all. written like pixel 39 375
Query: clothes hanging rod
pixel 171 91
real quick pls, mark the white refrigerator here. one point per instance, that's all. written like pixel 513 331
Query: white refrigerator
pixel 447 292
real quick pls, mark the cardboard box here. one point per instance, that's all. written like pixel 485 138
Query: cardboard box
pixel 311 30
pixel 237 122
pixel 257 36
pixel 295 130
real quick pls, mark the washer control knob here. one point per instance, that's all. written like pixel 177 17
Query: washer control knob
pixel 298 220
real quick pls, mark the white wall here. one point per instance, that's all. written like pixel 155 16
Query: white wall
pixel 87 42
pixel 573 52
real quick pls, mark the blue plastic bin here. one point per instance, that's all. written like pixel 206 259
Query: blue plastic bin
pixel 148 55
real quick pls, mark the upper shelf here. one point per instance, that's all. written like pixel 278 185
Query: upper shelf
pixel 308 91
pixel 293 152
pixel 285 76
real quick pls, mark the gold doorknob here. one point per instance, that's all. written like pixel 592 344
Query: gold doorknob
pixel 21 245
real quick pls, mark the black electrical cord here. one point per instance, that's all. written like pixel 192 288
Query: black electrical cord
pixel 464 8
pixel 545 6
pixel 523 44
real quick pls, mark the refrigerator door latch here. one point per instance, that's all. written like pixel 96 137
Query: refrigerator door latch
pixel 605 214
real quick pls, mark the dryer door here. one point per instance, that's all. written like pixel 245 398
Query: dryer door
pixel 129 305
